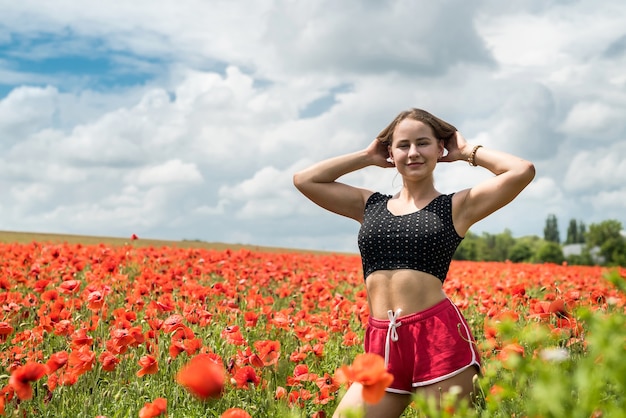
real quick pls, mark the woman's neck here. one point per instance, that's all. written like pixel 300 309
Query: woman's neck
pixel 418 190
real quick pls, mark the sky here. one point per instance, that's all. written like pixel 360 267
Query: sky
pixel 187 120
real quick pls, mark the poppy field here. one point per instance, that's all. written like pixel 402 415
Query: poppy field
pixel 132 331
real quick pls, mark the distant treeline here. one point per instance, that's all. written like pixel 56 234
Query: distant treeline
pixel 599 244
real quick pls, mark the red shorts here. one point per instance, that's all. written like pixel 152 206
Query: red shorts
pixel 423 348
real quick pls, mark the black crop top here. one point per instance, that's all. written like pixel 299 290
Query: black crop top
pixel 424 240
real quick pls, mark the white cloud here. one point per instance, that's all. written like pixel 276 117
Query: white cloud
pixel 366 38
pixel 602 169
pixel 31 194
pixel 170 172
pixel 544 189
pixel 611 204
pixel 269 193
pixel 539 41
pixel 26 110
pixel 524 40
pixel 597 120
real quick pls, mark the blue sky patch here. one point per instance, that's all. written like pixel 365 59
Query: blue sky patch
pixel 324 103
pixel 70 62
pixel 5 89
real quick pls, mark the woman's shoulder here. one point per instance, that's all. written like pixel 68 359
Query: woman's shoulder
pixel 376 200
pixel 377 197
pixel 458 196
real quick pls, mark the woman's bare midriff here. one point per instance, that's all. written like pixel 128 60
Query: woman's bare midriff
pixel 409 290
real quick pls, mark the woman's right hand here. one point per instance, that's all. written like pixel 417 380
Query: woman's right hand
pixel 319 181
pixel 378 152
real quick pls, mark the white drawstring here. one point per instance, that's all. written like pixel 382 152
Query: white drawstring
pixel 392 334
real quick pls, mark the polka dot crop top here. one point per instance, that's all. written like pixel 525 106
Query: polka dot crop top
pixel 424 240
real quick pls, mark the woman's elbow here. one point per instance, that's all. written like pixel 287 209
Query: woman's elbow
pixel 527 171
pixel 299 180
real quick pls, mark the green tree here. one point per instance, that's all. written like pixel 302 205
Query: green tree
pixel 551 230
pixel 549 252
pixel 524 249
pixel 497 246
pixel 582 232
pixel 504 242
pixel 472 248
pixel 490 244
pixel 521 252
pixel 572 232
pixel 485 247
pixel 607 236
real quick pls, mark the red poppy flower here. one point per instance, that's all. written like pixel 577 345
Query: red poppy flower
pixel 327 381
pixel 351 338
pixel 232 335
pixel 318 350
pixel 49 295
pixel 81 360
pixel 69 286
pixel 203 377
pixel 56 361
pixel 172 323
pixel 235 413
pixel 496 391
pixel 149 365
pixel 558 308
pixel 573 327
pixel 137 334
pixel 63 327
pixel 176 347
pixel 299 396
pixel 121 339
pixel 540 309
pixel 300 353
pixel 280 393
pixel 154 409
pixel 247 357
pixel 124 317
pixel 22 376
pixel 510 350
pixel 369 370
pixel 300 374
pixel 246 376
pixel 95 300
pixel 323 397
pixel 80 338
pixel 281 320
pixel 40 285
pixel 155 324
pixel 108 361
pixel 251 319
pixel 269 351
pixel 5 329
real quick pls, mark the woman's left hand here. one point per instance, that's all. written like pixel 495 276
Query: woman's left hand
pixel 458 149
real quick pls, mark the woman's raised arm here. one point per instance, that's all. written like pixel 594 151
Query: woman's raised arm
pixel 319 181
pixel 512 175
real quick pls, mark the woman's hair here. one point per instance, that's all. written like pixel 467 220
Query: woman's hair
pixel 442 129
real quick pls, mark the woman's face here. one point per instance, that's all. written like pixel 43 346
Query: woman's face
pixel 414 148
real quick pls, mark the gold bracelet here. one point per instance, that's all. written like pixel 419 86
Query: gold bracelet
pixel 472 158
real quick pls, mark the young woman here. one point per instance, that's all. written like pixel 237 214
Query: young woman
pixel 406 242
